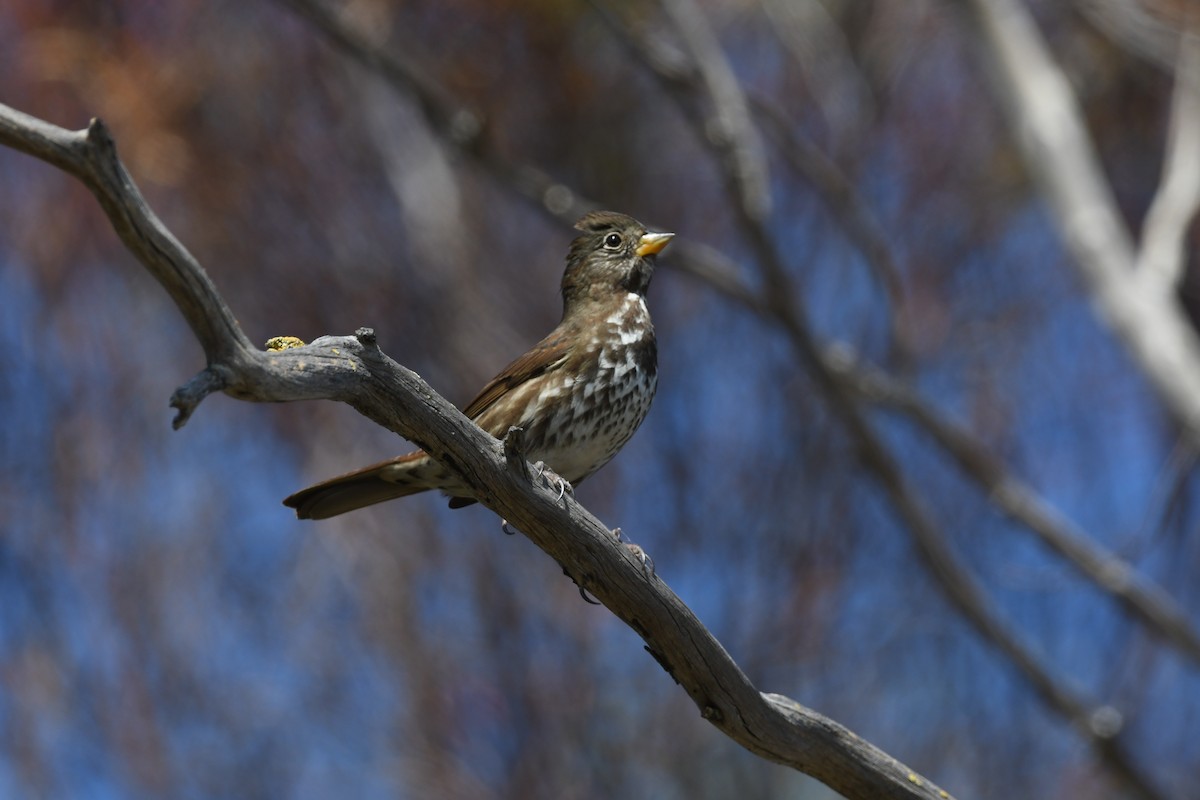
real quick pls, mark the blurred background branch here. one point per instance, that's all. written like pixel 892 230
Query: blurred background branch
pixel 1044 113
pixel 1174 207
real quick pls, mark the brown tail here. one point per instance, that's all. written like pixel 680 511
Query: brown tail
pixel 387 480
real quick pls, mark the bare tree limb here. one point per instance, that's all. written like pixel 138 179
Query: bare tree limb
pixel 1175 204
pixel 1139 307
pixel 91 157
pixel 353 370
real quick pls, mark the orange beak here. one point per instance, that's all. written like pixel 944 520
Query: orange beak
pixel 651 243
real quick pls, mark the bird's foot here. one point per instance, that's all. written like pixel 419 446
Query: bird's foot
pixel 552 478
pixel 636 551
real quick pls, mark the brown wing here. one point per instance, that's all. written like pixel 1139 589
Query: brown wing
pixel 368 486
pixel 546 356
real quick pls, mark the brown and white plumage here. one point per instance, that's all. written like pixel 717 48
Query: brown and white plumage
pixel 579 394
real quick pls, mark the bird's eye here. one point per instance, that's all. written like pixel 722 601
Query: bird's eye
pixel 612 241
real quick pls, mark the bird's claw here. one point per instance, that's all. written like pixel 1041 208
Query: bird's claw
pixel 637 552
pixel 644 557
pixel 586 599
pixel 582 591
pixel 552 478
pixel 508 530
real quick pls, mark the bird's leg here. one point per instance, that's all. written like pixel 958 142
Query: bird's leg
pixel 552 478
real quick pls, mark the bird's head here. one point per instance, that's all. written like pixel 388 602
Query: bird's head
pixel 613 256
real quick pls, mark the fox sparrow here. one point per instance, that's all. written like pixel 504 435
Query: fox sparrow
pixel 579 394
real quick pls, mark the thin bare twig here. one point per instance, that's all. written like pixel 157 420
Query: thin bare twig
pixel 1169 494
pixel 845 204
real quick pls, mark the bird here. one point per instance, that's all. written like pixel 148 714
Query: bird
pixel 578 395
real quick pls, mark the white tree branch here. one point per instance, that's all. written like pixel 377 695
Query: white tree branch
pixel 1174 207
pixel 1139 307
